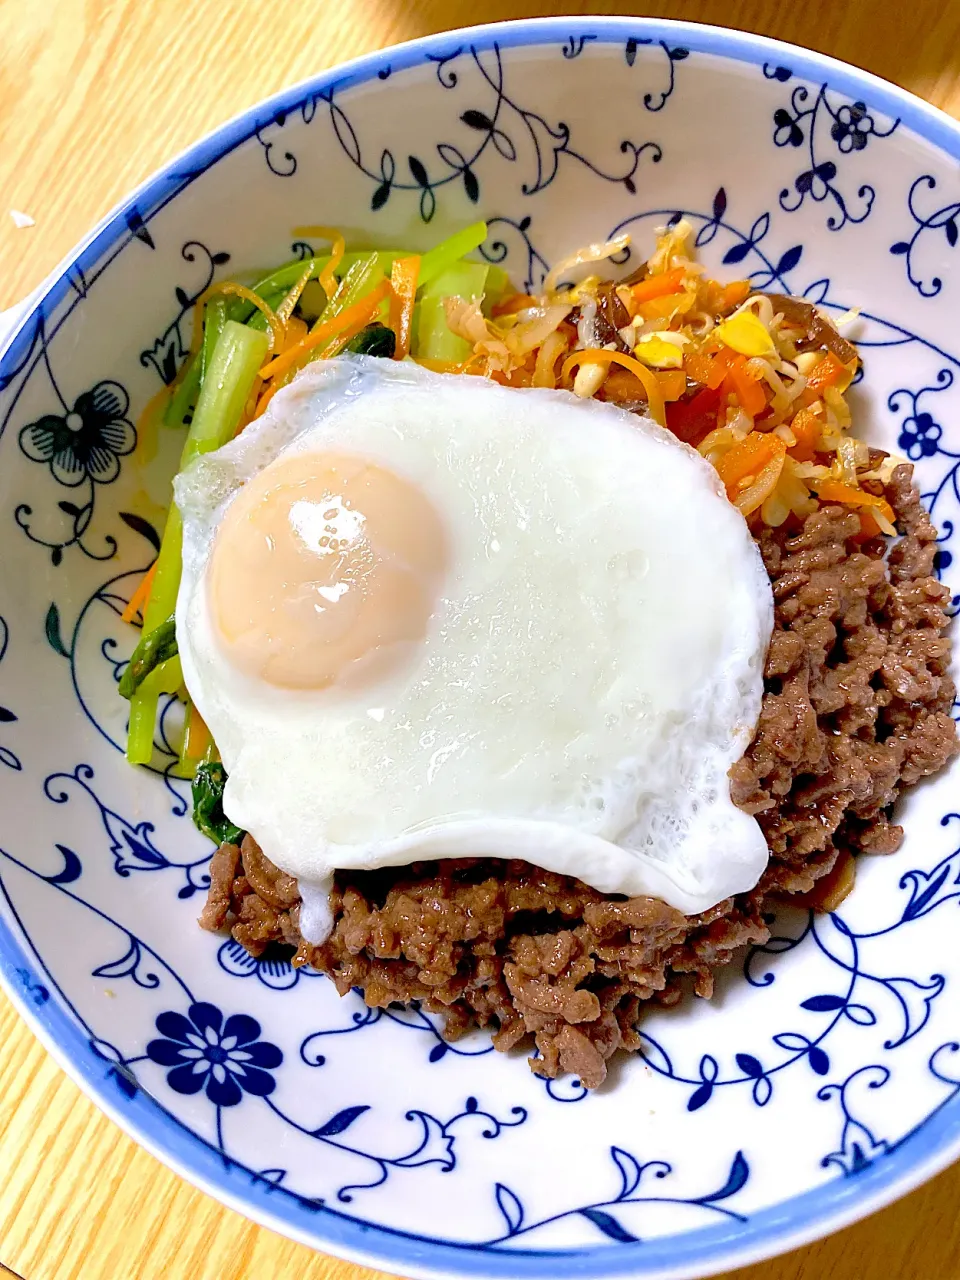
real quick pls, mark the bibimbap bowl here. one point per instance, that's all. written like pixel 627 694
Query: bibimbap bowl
pixel 822 1079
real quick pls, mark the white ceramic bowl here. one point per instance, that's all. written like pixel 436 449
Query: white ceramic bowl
pixel 823 1079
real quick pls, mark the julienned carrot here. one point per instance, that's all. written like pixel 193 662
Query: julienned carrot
pixel 327 278
pixel 673 383
pixel 403 282
pixel 359 313
pixel 140 596
pixel 750 480
pixel 747 389
pixel 720 366
pixel 748 458
pixel 594 355
pixel 735 292
pixel 658 286
pixel 837 491
pixel 806 426
pixel 197 739
pixel 827 373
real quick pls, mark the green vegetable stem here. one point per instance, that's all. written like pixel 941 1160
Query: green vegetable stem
pixel 155 647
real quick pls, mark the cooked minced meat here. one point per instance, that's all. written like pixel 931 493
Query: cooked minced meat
pixel 856 706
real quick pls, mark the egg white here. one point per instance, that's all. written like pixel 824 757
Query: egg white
pixel 591 670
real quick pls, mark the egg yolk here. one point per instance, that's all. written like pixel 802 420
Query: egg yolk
pixel 324 571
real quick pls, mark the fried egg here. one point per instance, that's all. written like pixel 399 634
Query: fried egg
pixel 427 616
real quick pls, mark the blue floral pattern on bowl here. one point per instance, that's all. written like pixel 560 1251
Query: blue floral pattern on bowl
pixel 829 1052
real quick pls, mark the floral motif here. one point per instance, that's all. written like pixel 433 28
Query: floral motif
pixel 827 1035
pixel 227 1059
pixel 88 442
pixel 82 446
pixel 944 219
pixel 274 971
pixel 921 437
pixel 851 126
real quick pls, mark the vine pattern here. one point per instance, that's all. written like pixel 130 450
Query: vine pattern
pixel 812 113
pixel 130 845
pixel 859 1147
pixel 607 1215
pixel 926 889
pixel 225 1057
pixel 908 999
pixel 488 129
pixel 112 596
pixel 171 348
pixel 7 757
pixel 944 219
pixel 496 248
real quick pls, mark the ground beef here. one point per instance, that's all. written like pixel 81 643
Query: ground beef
pixel 857 705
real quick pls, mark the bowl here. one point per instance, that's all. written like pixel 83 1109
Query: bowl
pixel 823 1080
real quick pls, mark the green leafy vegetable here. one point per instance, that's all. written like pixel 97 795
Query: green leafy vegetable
pixel 375 340
pixel 226 385
pixel 155 647
pixel 208 784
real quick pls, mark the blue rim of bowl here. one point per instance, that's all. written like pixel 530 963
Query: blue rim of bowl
pixel 784 1226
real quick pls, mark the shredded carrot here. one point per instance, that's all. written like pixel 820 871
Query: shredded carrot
pixel 403 282
pixel 250 408
pixel 327 277
pixel 516 302
pixel 748 457
pixel 297 330
pixel 358 313
pixel 649 379
pixel 806 426
pixel 138 601
pixel 658 286
pixel 747 389
pixel 722 363
pixel 673 383
pixel 286 307
pixel 868 524
pixel 198 737
pixel 827 373
pixel 752 490
pixel 837 491
pixel 698 366
pixel 232 290
pixel 734 293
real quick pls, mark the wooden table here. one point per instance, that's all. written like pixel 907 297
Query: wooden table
pixel 93 97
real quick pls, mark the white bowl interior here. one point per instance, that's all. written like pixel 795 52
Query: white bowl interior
pixel 821 1079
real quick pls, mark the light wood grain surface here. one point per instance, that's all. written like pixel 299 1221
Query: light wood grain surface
pixel 94 95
